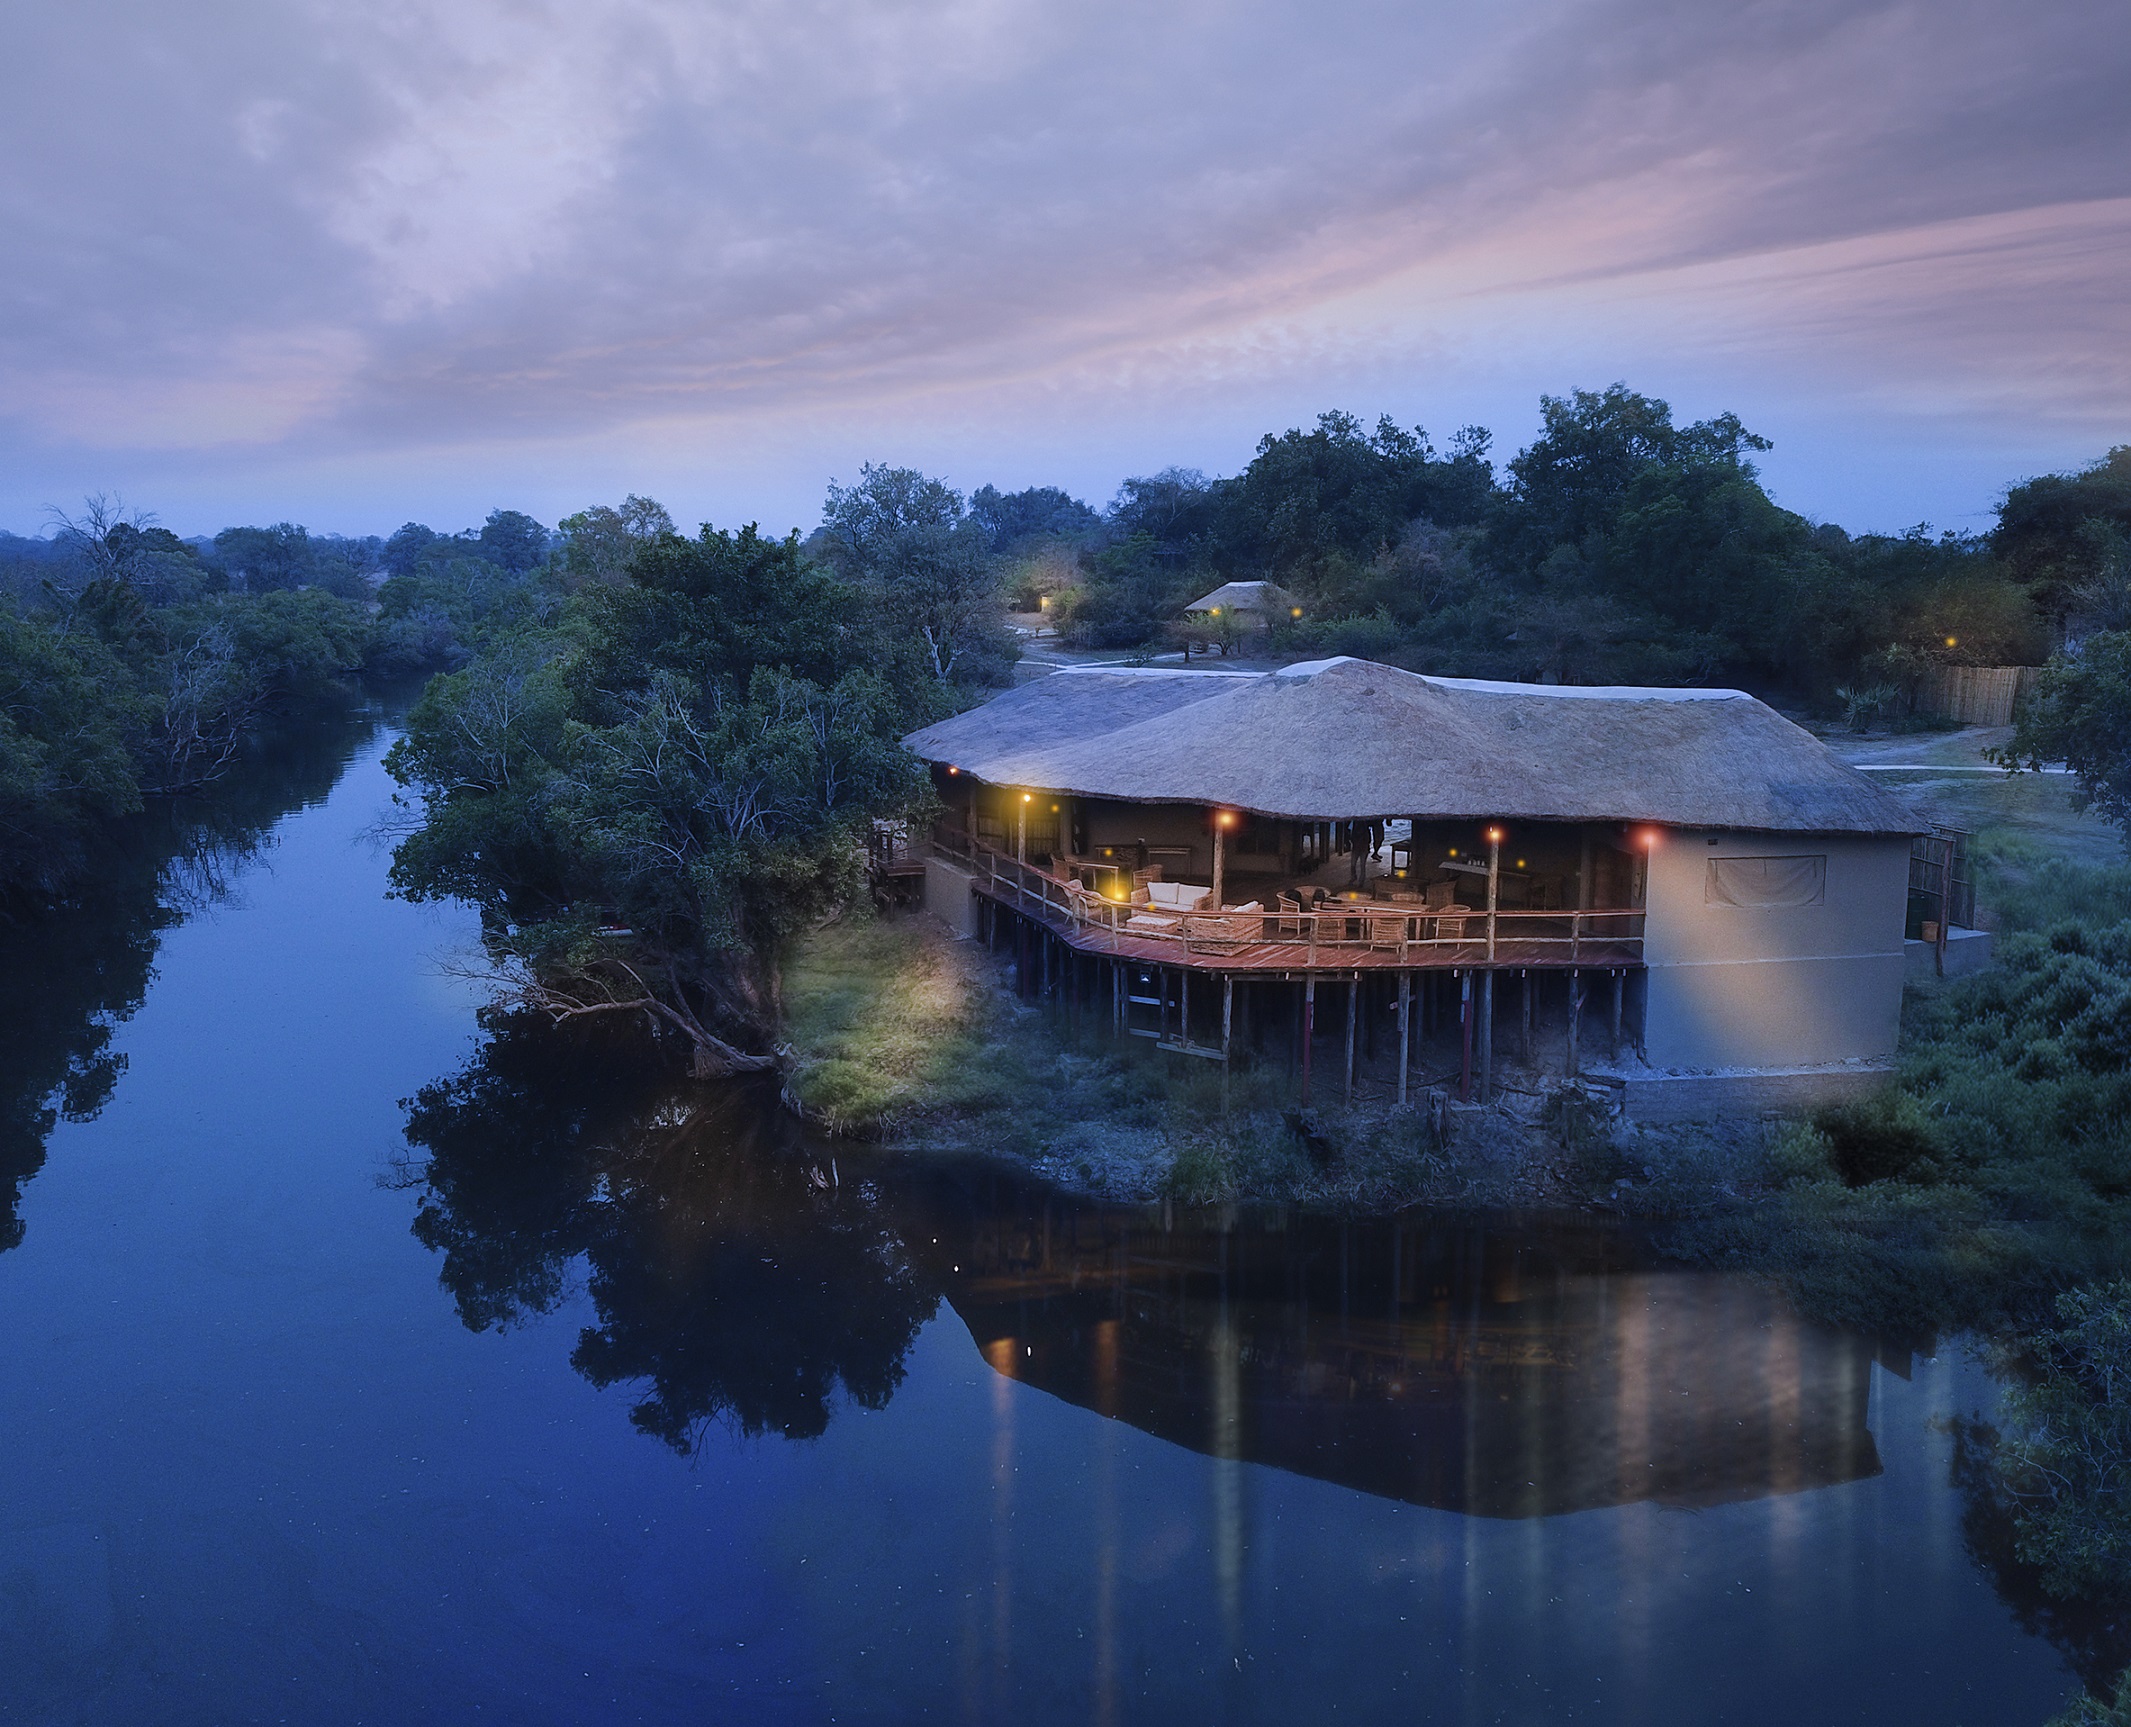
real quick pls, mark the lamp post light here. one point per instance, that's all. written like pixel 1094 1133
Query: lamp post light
pixel 1021 831
pixel 1223 820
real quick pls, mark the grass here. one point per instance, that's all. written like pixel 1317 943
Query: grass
pixel 902 1035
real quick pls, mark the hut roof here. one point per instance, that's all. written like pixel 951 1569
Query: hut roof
pixel 1244 597
pixel 1345 739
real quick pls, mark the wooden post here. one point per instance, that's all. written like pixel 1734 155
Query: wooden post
pixel 1620 980
pixel 1228 1019
pixel 1465 1037
pixel 1487 1037
pixel 1021 836
pixel 1405 1002
pixel 1494 884
pixel 1220 850
pixel 1309 1031
pixel 1575 1016
pixel 1183 1017
pixel 1524 1014
pixel 1353 1002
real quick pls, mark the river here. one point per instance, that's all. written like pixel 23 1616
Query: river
pixel 361 1364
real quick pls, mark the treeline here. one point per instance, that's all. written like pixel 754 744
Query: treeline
pixel 1618 547
pixel 135 664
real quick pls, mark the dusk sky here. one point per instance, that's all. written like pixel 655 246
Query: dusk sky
pixel 349 265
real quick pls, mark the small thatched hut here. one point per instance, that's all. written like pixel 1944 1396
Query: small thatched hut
pixel 1735 893
pixel 1253 605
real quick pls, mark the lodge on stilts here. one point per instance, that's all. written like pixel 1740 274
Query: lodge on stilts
pixel 1441 878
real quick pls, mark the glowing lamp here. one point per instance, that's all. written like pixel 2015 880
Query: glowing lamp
pixel 1025 798
pixel 1953 641
pixel 1495 834
pixel 1295 612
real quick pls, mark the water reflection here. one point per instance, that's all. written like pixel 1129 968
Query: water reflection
pixel 1472 1366
pixel 72 975
pixel 740 1285
pixel 742 1277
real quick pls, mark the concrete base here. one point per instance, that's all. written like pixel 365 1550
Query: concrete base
pixel 1967 951
pixel 1663 1097
pixel 951 896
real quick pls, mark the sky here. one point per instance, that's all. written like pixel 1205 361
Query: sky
pixel 416 259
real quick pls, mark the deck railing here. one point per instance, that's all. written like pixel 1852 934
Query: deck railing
pixel 1329 936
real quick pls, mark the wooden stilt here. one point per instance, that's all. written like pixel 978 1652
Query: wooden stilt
pixel 1487 1037
pixel 1353 1003
pixel 1465 1037
pixel 1309 1031
pixel 1575 1017
pixel 1405 1044
pixel 1228 1020
pixel 1620 982
pixel 1524 1030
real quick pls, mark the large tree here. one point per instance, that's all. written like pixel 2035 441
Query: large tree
pixel 906 539
pixel 649 800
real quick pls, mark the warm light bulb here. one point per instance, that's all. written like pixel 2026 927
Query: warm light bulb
pixel 1025 798
pixel 1953 641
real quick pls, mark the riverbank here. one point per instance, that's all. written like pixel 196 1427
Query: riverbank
pixel 905 1036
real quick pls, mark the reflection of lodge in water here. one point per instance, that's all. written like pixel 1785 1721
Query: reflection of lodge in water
pixel 1506 1374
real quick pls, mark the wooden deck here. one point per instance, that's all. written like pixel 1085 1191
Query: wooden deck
pixel 1345 935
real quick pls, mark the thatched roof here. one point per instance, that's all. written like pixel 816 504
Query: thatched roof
pixel 1246 597
pixel 1345 739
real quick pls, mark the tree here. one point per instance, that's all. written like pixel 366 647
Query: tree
pixel 262 559
pixel 690 763
pixel 903 536
pixel 600 543
pixel 514 540
pixel 1009 519
pixel 2056 532
pixel 2080 715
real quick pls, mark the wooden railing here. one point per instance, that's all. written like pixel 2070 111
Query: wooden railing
pixel 1334 934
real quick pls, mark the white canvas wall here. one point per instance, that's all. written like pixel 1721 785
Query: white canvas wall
pixel 1782 986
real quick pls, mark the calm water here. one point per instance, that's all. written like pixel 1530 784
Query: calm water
pixel 359 1366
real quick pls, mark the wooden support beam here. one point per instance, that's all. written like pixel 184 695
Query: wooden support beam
pixel 1465 1037
pixel 1487 1037
pixel 1575 1017
pixel 1228 1019
pixel 1620 983
pixel 1353 1004
pixel 1405 1044
pixel 1309 1031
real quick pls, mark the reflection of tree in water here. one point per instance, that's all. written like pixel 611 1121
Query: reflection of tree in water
pixel 73 973
pixel 730 1275
pixel 2094 1633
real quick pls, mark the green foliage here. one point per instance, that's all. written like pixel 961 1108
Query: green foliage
pixel 66 766
pixel 904 540
pixel 1619 547
pixel 2057 533
pixel 688 756
pixel 2000 1169
pixel 2080 714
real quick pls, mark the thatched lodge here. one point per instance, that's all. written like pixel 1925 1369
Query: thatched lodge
pixel 1678 890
